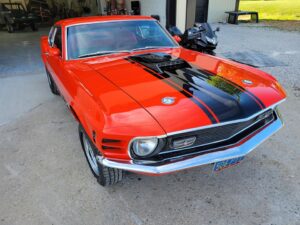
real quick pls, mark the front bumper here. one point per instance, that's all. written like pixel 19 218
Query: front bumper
pixel 196 161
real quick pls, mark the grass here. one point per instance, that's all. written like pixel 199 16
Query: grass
pixel 273 9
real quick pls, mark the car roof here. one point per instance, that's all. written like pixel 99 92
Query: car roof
pixel 93 19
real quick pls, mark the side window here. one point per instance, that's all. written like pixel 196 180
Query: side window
pixel 57 38
pixel 50 36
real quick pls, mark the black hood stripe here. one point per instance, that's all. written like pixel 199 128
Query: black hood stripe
pixel 213 118
pixel 223 100
pixel 261 104
pixel 220 99
pixel 208 74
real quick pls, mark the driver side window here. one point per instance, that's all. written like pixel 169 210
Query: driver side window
pixel 55 38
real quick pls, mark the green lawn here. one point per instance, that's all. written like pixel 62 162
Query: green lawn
pixel 273 9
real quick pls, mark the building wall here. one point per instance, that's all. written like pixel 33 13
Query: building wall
pixel 154 7
pixel 181 14
pixel 217 8
pixel 191 10
pixel 148 7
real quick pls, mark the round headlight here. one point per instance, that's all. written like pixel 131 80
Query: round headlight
pixel 144 147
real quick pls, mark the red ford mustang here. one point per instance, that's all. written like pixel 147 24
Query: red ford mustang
pixel 144 104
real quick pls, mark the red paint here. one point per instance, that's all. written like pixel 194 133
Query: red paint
pixel 120 100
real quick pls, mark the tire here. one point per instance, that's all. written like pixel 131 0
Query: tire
pixel 105 175
pixel 52 84
pixel 10 28
pixel 34 27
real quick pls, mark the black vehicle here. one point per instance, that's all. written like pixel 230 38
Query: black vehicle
pixel 200 37
pixel 14 17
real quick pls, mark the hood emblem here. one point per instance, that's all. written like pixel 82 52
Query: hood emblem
pixel 247 82
pixel 168 100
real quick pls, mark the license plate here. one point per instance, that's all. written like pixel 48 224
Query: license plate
pixel 222 165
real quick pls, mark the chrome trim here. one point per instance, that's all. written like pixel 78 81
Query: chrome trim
pixel 109 21
pixel 196 161
pixel 226 123
pixel 214 142
pixel 204 127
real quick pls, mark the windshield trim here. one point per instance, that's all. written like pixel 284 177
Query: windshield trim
pixel 113 21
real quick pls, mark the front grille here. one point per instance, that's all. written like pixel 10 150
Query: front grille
pixel 215 138
pixel 216 134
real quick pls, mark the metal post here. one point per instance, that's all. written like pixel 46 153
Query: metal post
pixel 237 5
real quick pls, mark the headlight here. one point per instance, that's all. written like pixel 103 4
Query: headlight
pixel 144 147
pixel 212 40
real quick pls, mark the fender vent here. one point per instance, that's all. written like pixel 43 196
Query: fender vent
pixel 111 144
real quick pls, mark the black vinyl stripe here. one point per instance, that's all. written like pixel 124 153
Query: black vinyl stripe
pixel 185 93
pixel 242 88
pixel 226 100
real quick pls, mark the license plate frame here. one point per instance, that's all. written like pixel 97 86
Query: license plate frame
pixel 225 164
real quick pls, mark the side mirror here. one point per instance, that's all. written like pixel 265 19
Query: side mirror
pixel 177 38
pixel 54 51
pixel 217 29
pixel 157 17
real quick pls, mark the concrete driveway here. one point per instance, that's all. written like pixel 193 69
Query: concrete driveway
pixel 44 177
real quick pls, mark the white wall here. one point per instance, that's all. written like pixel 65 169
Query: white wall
pixel 181 14
pixel 154 7
pixel 217 8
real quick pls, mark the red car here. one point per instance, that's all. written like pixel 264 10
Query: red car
pixel 146 105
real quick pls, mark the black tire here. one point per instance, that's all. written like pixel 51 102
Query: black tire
pixel 52 84
pixel 34 27
pixel 10 28
pixel 105 175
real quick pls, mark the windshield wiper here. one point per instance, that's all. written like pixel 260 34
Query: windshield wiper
pixel 102 53
pixel 121 51
pixel 150 47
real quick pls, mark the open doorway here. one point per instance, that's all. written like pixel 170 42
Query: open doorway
pixel 201 11
pixel 196 11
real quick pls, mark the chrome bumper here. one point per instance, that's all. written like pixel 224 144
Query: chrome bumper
pixel 204 159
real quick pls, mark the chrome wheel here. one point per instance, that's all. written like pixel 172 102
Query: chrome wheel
pixel 90 154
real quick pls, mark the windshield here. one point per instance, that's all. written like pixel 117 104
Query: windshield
pixel 110 37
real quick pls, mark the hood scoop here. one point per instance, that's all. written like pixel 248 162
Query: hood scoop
pixel 160 62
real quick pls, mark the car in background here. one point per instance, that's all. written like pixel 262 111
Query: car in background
pixel 147 105
pixel 15 17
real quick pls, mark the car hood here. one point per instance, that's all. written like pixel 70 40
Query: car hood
pixel 183 89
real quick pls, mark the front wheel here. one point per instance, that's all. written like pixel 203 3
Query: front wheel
pixel 105 175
